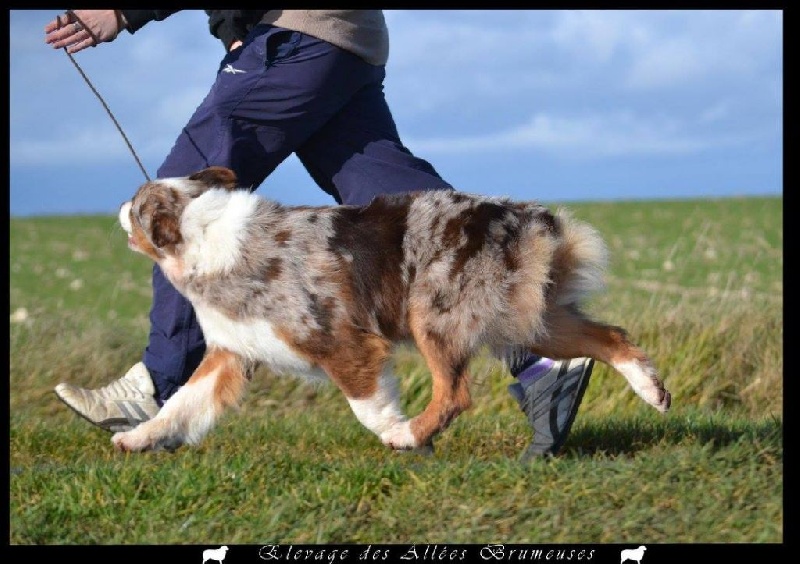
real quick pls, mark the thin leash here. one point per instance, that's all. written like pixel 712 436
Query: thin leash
pixel 96 93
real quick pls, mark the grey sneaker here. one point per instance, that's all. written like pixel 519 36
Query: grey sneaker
pixel 551 404
pixel 119 406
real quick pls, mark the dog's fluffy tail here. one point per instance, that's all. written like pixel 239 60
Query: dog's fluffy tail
pixel 563 266
pixel 579 261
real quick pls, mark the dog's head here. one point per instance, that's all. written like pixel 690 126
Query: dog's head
pixel 152 219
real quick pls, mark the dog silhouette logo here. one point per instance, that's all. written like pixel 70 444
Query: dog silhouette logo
pixel 217 554
pixel 635 554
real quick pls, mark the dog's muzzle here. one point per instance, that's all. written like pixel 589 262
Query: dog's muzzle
pixel 125 222
pixel 125 217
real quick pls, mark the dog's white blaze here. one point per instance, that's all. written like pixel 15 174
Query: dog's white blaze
pixel 125 217
pixel 641 381
pixel 214 226
pixel 251 339
pixel 380 413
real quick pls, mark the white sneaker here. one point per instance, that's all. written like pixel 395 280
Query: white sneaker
pixel 119 406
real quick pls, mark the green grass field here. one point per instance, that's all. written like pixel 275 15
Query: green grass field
pixel 698 284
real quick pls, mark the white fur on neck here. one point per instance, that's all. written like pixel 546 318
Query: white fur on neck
pixel 213 227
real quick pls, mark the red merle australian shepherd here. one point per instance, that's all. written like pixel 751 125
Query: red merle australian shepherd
pixel 328 291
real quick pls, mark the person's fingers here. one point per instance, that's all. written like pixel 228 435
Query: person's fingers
pixel 59 39
pixel 56 32
pixel 59 29
pixel 65 29
pixel 69 38
pixel 59 22
pixel 81 45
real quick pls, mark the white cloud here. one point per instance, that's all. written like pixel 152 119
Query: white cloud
pixel 445 40
pixel 508 52
pixel 666 64
pixel 597 35
pixel 173 110
pixel 92 145
pixel 586 136
pixel 703 49
pixel 719 111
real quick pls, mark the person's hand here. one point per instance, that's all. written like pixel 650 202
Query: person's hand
pixel 78 29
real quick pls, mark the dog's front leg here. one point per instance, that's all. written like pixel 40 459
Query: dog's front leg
pixel 189 414
pixel 360 367
pixel 380 412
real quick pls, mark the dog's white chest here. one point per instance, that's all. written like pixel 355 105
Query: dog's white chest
pixel 252 339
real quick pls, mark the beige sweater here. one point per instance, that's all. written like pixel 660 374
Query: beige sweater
pixel 362 32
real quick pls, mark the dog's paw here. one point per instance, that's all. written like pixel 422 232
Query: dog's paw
pixel 644 380
pixel 654 391
pixel 666 400
pixel 132 441
pixel 657 396
pixel 139 441
pixel 399 437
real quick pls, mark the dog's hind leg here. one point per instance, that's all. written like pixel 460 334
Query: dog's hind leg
pixel 191 412
pixel 570 334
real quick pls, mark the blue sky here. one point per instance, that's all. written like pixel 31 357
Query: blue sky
pixel 554 106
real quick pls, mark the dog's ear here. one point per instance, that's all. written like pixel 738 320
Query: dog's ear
pixel 165 230
pixel 216 177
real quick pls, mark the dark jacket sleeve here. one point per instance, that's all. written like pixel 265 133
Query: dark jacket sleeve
pixel 137 18
pixel 232 25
